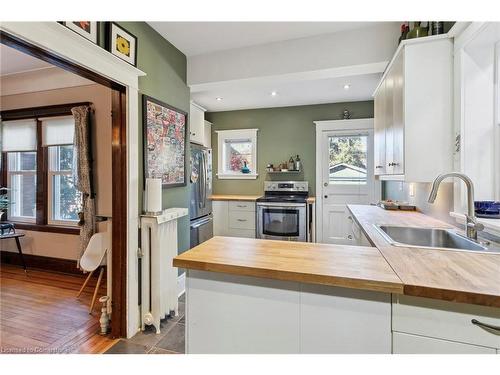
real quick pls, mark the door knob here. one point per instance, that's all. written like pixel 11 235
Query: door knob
pixel 325 184
pixel 326 196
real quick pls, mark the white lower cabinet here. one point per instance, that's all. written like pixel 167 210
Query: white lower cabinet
pixel 344 321
pixel 234 218
pixel 436 326
pixel 246 315
pixel 404 343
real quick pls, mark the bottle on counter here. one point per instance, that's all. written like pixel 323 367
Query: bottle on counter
pixel 418 30
pixel 291 164
pixel 298 163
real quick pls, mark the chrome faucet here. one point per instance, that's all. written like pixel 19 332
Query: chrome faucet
pixel 471 224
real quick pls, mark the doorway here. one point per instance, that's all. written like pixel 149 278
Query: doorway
pixel 119 184
pixel 344 158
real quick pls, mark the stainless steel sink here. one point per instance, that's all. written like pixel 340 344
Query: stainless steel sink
pixel 432 238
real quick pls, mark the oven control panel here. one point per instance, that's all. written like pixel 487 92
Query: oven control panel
pixel 286 186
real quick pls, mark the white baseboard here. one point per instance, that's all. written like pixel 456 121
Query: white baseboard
pixel 181 284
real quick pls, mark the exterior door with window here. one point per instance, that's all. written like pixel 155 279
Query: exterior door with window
pixel 347 178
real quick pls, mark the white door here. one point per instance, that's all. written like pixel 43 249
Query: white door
pixel 347 177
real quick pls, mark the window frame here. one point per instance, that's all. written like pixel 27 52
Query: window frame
pixel 20 219
pixel 50 187
pixel 41 222
pixel 236 135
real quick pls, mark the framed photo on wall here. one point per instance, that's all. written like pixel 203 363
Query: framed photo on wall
pixel 121 43
pixel 165 142
pixel 87 29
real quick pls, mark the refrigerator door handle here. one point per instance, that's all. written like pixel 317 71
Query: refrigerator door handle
pixel 204 181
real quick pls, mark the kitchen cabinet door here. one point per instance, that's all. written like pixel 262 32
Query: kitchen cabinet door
pixel 389 123
pixel 398 116
pixel 404 343
pixel 379 131
pixel 207 137
pixel 196 124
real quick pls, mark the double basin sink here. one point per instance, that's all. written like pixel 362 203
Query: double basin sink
pixel 431 238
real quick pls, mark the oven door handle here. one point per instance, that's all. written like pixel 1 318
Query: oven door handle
pixel 280 205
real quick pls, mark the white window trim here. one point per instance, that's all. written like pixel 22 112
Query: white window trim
pixel 222 136
pixel 50 187
pixel 18 219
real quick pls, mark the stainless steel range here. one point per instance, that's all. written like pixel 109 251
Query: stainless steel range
pixel 282 212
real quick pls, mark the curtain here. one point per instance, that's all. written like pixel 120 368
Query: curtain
pixel 82 174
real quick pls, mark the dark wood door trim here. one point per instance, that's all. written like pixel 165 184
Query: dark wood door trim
pixel 119 173
pixel 119 211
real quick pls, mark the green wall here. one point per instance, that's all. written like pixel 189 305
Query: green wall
pixel 283 132
pixel 166 68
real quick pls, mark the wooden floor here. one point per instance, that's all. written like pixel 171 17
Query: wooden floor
pixel 39 313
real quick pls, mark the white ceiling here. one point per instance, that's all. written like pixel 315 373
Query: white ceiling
pixel 195 38
pixel 301 92
pixel 12 61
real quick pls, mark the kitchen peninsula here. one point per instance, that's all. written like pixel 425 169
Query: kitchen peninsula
pixel 283 297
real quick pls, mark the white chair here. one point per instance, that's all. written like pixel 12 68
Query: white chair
pixel 92 259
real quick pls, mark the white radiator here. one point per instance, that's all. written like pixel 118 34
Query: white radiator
pixel 158 276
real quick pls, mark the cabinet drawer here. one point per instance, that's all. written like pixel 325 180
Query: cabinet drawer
pixel 241 220
pixel 445 320
pixel 244 233
pixel 404 343
pixel 241 206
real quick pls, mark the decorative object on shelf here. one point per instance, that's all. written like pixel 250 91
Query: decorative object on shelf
pixel 121 43
pixel 436 27
pixel 346 115
pixel 298 163
pixel 245 168
pixel 418 30
pixel 405 29
pixel 104 319
pixel 152 197
pixel 88 29
pixel 291 164
pixel 165 142
pixel 487 209
pixel 7 228
pixel 270 168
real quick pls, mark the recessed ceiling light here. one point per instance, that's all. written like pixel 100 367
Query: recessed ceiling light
pixel 274 93
pixel 346 87
pixel 218 98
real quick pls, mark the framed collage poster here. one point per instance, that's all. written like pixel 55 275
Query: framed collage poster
pixel 165 142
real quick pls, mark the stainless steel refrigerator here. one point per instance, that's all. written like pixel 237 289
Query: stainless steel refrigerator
pixel 200 207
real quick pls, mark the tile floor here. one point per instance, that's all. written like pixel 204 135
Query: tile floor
pixel 170 341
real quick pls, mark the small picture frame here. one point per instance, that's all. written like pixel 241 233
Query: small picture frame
pixel 88 29
pixel 121 43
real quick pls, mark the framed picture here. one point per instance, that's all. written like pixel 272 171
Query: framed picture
pixel 121 43
pixel 87 29
pixel 165 142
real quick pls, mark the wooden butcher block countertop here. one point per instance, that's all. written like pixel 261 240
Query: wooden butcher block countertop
pixel 336 265
pixel 248 198
pixel 234 197
pixel 458 276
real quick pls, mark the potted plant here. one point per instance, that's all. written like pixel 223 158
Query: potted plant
pixel 4 202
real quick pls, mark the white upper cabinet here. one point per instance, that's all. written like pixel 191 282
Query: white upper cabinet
pixel 413 112
pixel 197 124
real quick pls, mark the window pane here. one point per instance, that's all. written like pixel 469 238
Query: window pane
pixel 23 195
pixel 236 153
pixel 348 158
pixel 22 161
pixel 61 158
pixel 65 200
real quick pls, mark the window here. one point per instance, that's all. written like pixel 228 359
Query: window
pixel 347 160
pixel 237 148
pixel 21 179
pixel 64 200
pixel 39 170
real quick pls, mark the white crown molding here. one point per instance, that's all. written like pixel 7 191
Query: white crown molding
pixel 63 42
